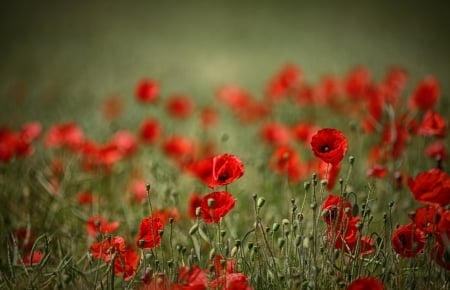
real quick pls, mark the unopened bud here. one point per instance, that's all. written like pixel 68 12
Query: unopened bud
pixel 210 202
pixel 261 202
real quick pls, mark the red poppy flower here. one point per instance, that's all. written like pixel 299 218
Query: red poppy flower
pixel 303 132
pixel 24 238
pixel 344 235
pixel 150 131
pixel 377 171
pixel 365 283
pixel 395 137
pixel 287 79
pixel 426 94
pixel 7 144
pixel 440 254
pixel 112 107
pixel 426 218
pixel 408 241
pixel 335 208
pixel 148 237
pixel 33 258
pixel 125 142
pixel 191 278
pixel 222 265
pixel 179 148
pixel 165 214
pixel 394 82
pixel 85 198
pixel 285 160
pixel 356 82
pixel 433 124
pixel 330 145
pixel 64 135
pixel 179 106
pixel 147 91
pixel 234 97
pixel 219 170
pixel 138 190
pixel 107 248
pixel 431 187
pixel 98 224
pixel 231 281
pixel 442 233
pixel 275 134
pixel 366 246
pixel 437 150
pixel 208 117
pixel 375 100
pixel 30 131
pixel 195 201
pixel 216 205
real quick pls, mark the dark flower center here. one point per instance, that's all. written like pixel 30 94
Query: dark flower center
pixel 223 177
pixel 325 149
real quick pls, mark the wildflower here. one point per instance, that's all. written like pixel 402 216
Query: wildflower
pixel 286 80
pixel 191 278
pixel 364 283
pixel 437 150
pixel 194 202
pixel 408 241
pixel 148 237
pixel 303 132
pixel 147 91
pixel 285 160
pixel 356 82
pixel 165 214
pixel 179 106
pixel 208 117
pixel 216 205
pixel 64 135
pixel 377 171
pixel 222 265
pixel 125 142
pixel 237 281
pixel 330 145
pixel 150 131
pixel 179 148
pixel 138 190
pixel 440 254
pixel 431 187
pixel 426 94
pixel 275 134
pixel 335 208
pixel 97 224
pixel 426 218
pixel 107 248
pixel 85 198
pixel 33 258
pixel 433 124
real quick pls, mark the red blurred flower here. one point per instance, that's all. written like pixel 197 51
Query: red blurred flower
pixel 191 278
pixel 149 237
pixel 147 91
pixel 431 187
pixel 366 283
pixel 330 145
pixel 440 254
pixel 165 214
pixel 433 124
pixel 437 150
pixel 222 265
pixel 426 94
pixel 375 100
pixel 30 131
pixel 356 82
pixel 85 198
pixel 287 79
pixel 24 238
pixel 179 148
pixel 64 135
pixel 138 189
pixel 33 258
pixel 195 201
pixel 303 132
pixel 97 224
pixel 208 117
pixel 179 106
pixel 275 134
pixel 395 137
pixel 285 160
pixel 408 241
pixel 216 205
pixel 233 96
pixel 7 144
pixel 231 281
pixel 377 171
pixel 112 107
pixel 394 82
pixel 150 131
pixel 125 141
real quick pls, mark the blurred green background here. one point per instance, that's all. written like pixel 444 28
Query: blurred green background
pixel 59 59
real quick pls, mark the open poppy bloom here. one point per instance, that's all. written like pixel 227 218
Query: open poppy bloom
pixel 191 278
pixel 408 241
pixel 365 283
pixel 98 224
pixel 335 208
pixel 218 170
pixel 147 91
pixel 148 237
pixel 433 124
pixel 231 281
pixel 216 205
pixel 431 187
pixel 330 145
pixel 285 160
pixel 125 260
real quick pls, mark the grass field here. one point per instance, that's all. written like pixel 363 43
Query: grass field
pixel 83 183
